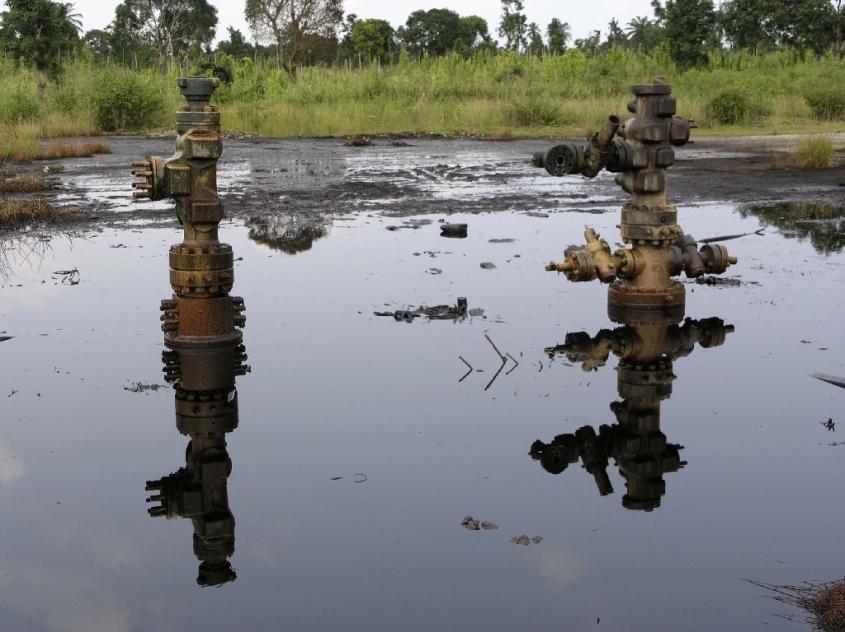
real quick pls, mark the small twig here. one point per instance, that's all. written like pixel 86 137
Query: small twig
pixel 515 366
pixel 541 366
pixel 467 374
pixel 495 348
pixel 710 240
pixel 504 362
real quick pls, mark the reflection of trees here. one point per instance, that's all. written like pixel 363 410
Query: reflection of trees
pixel 291 233
pixel 822 224
pixel 27 248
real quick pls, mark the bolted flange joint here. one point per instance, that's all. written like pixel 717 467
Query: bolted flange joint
pixel 594 261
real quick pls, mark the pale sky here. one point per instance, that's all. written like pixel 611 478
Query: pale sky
pixel 583 16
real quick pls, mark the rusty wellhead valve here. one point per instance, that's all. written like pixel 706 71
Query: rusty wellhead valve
pixel 201 312
pixel 639 151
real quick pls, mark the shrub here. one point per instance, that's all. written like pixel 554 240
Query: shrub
pixel 827 102
pixel 531 112
pixel 814 152
pixel 733 106
pixel 19 101
pixel 126 100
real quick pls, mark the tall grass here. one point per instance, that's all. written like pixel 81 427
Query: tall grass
pixel 504 95
pixel 814 152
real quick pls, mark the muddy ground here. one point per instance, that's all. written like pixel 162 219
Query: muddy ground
pixel 426 176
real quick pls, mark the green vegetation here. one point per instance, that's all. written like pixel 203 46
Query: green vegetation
pixel 748 66
pixel 503 95
pixel 814 152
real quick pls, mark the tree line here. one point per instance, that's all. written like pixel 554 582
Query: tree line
pixel 307 32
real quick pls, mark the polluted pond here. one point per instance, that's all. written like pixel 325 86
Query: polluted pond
pixel 232 404
pixel 693 438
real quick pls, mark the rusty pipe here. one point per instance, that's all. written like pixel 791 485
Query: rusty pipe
pixel 608 131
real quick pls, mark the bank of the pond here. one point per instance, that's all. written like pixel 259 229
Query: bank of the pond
pixel 500 97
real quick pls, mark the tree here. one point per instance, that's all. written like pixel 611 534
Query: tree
pixel 557 34
pixel 127 40
pixel 513 26
pixel 373 39
pixel 237 45
pixel 805 24
pixel 767 24
pixel 98 41
pixel 615 35
pixel 290 24
pixel 535 40
pixel 644 34
pixel 39 32
pixel 436 31
pixel 474 34
pixel 589 45
pixel 174 28
pixel 690 28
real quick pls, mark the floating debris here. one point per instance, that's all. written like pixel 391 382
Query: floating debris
pixel 488 266
pixel 473 524
pixel 470 524
pixel 458 231
pixel 358 141
pixel 455 312
pixel 140 387
pixel 67 277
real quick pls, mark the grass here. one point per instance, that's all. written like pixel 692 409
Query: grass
pixel 24 183
pixel 19 213
pixel 824 602
pixel 57 151
pixel 502 96
pixel 814 152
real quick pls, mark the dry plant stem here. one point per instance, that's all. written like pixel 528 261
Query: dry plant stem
pixel 504 362
pixel 495 348
pixel 24 183
pixel 17 213
pixel 515 364
pixel 467 374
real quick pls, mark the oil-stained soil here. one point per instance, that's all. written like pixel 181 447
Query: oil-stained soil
pixel 275 182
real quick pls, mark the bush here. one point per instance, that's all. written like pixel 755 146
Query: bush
pixel 125 100
pixel 19 101
pixel 827 102
pixel 532 112
pixel 815 152
pixel 733 106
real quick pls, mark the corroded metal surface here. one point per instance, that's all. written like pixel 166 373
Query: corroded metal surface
pixel 201 311
pixel 647 347
pixel 639 151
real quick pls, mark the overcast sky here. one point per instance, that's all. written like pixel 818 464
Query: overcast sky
pixel 583 16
